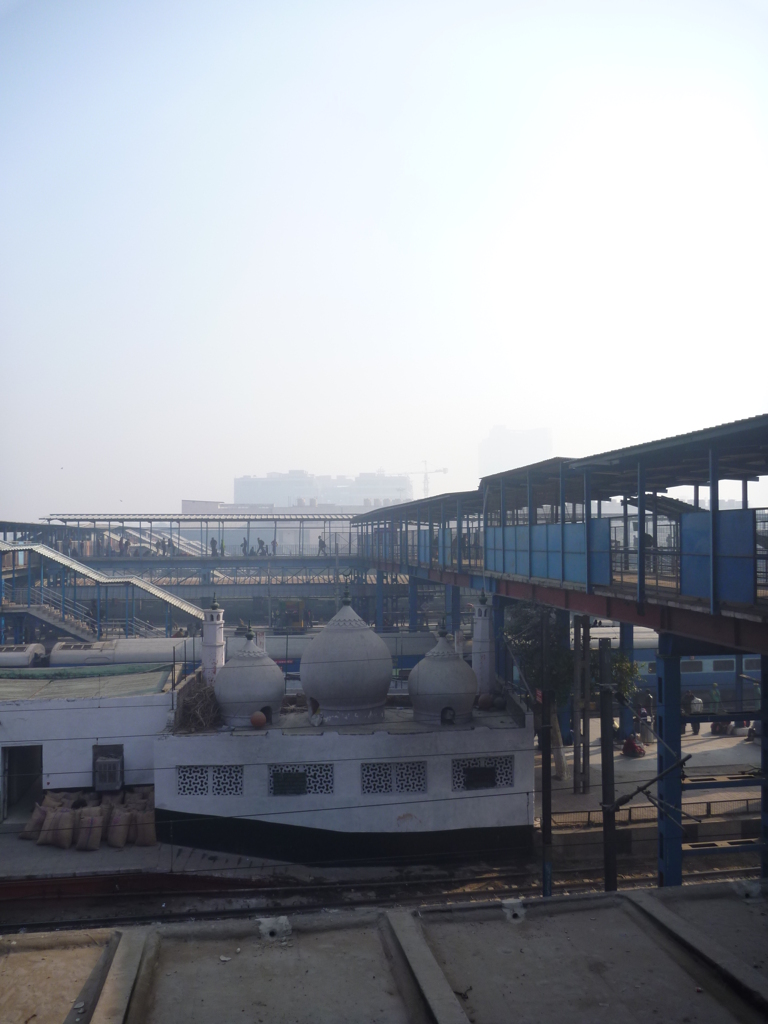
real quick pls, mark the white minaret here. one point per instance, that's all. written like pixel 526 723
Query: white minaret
pixel 482 647
pixel 213 641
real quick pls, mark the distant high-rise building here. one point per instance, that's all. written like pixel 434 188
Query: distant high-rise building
pixel 506 449
pixel 298 487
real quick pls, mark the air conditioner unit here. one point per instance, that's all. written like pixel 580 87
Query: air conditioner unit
pixel 108 768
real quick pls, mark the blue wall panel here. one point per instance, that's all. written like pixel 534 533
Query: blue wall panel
pixel 553 551
pixel 735 555
pixel 539 551
pixel 424 546
pixel 694 554
pixel 600 552
pixel 575 554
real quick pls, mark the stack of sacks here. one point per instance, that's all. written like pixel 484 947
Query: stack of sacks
pixel 84 819
pixel 58 829
pixel 134 822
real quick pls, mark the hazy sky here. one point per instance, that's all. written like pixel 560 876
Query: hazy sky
pixel 246 237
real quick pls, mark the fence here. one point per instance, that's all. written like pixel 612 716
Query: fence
pixel 648 813
pixel 662 554
pixel 79 615
pixel 761 552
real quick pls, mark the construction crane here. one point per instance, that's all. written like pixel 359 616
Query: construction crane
pixel 425 474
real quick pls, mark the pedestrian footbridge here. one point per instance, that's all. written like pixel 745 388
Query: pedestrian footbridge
pixel 40 581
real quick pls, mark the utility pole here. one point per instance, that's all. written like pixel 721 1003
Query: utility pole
pixel 545 742
pixel 581 680
pixel 606 766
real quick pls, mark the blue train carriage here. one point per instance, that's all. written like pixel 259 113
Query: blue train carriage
pixel 701 674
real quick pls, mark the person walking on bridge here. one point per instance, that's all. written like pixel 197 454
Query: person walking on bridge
pixel 321 548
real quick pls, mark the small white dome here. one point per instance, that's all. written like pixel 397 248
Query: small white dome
pixel 347 670
pixel 250 681
pixel 442 686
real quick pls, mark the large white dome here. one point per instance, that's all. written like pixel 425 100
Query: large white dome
pixel 442 686
pixel 250 681
pixel 346 670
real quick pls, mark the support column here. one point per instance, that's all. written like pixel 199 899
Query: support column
pixel 627 648
pixel 581 686
pixel 497 611
pixel 562 522
pixel 413 604
pixel 626 638
pixel 587 520
pixel 562 640
pixel 545 742
pixel 379 600
pixel 764 768
pixel 606 767
pixel 483 660
pixel 640 535
pixel 669 789
pixel 452 608
pixel 714 508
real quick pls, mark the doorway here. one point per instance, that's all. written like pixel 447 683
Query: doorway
pixel 22 780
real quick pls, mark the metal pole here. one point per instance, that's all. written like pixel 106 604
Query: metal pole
pixel 606 751
pixel 586 679
pixel 576 704
pixel 545 741
pixel 764 768
pixel 714 510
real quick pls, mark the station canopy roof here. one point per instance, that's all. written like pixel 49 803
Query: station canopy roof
pixel 681 460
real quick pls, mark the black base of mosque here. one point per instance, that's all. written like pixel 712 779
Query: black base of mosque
pixel 252 838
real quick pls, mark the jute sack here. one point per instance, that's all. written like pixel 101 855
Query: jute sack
pixel 51 800
pixel 76 812
pixel 132 828
pixel 91 826
pixel 47 829
pixel 64 830
pixel 119 825
pixel 145 828
pixel 32 829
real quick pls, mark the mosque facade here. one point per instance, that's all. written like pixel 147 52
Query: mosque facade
pixel 351 774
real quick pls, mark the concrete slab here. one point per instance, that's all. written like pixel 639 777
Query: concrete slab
pixel 587 960
pixel 605 957
pixel 338 974
pixel 735 916
pixel 42 975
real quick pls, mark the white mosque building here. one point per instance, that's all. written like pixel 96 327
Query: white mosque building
pixel 351 775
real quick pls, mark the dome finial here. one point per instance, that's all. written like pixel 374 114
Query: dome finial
pixel 346 600
pixel 442 631
pixel 249 631
pixel 483 598
pixel 215 602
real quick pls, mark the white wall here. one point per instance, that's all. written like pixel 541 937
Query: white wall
pixel 68 729
pixel 347 809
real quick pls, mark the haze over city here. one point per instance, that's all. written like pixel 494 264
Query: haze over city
pixel 240 238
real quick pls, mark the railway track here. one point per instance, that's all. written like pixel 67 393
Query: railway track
pixel 111 900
